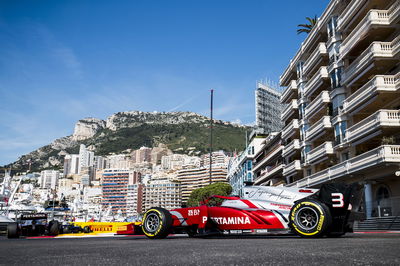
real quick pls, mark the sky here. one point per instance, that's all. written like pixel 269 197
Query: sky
pixel 61 61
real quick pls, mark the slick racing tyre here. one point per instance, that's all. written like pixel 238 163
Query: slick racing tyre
pixel 54 228
pixel 12 230
pixel 310 218
pixel 157 223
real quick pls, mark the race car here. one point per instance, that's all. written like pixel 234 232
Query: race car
pixel 263 210
pixel 32 224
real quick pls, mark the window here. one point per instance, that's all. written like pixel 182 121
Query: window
pixel 332 25
pixel 336 78
pixel 337 104
pixel 300 69
pixel 340 132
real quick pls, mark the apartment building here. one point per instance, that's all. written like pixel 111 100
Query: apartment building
pixel 118 189
pixel 49 179
pixel 193 178
pixel 162 192
pixel 342 96
pixel 268 162
pixel 240 167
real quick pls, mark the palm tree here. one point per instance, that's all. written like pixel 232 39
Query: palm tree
pixel 307 27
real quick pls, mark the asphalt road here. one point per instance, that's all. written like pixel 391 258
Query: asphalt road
pixel 352 249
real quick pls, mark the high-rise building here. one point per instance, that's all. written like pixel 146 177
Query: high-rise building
pixel 162 192
pixel 71 164
pixel 117 184
pixel 268 109
pixel 342 119
pixel 49 179
pixel 141 155
pixel 193 178
pixel 86 158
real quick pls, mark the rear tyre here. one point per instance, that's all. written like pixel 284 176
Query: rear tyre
pixel 157 223
pixel 12 230
pixel 54 228
pixel 310 218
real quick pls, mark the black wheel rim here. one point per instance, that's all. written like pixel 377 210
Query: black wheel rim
pixel 152 222
pixel 307 218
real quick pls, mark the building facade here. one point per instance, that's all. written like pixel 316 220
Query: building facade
pixel 268 162
pixel 117 184
pixel 240 168
pixel 268 109
pixel 193 178
pixel 49 179
pixel 162 192
pixel 342 119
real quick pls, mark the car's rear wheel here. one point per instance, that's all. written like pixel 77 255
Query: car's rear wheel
pixel 310 218
pixel 157 223
pixel 12 230
pixel 54 228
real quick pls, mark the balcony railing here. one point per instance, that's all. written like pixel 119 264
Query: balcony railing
pixel 348 14
pixel 292 168
pixel 375 50
pixel 289 129
pixel 289 110
pixel 289 91
pixel 317 104
pixel 373 158
pixel 320 153
pixel 317 128
pixel 316 81
pixel 313 58
pixel 374 18
pixel 267 158
pixel 381 83
pixel 293 145
pixel 367 126
pixel 268 173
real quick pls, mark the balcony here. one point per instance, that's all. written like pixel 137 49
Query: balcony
pixel 320 153
pixel 291 148
pixel 376 87
pixel 290 92
pixel 372 126
pixel 290 129
pixel 267 158
pixel 379 55
pixel 290 110
pixel 315 59
pixel 378 158
pixel 371 22
pixel 316 81
pixel 318 128
pixel 317 105
pixel 292 168
pixel 268 173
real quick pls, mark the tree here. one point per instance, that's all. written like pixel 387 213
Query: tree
pixel 307 27
pixel 200 194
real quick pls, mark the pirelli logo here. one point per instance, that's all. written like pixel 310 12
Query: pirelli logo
pixel 101 228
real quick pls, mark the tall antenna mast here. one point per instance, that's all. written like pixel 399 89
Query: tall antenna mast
pixel 211 132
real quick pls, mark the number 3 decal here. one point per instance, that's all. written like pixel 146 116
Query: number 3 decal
pixel 337 200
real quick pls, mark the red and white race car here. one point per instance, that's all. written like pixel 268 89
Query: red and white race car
pixel 263 210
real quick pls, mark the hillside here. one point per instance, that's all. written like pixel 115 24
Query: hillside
pixel 182 132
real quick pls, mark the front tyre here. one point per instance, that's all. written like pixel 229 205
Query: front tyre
pixel 157 223
pixel 310 218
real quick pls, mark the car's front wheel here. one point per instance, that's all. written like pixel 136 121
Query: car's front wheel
pixel 157 223
pixel 310 218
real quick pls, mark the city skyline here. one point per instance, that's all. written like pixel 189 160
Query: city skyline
pixel 61 62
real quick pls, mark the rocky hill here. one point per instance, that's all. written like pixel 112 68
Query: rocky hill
pixel 182 132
